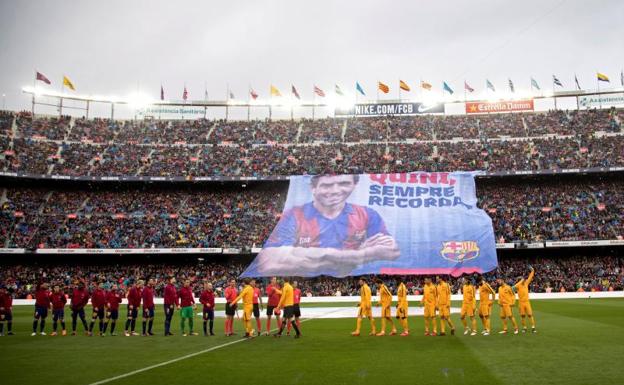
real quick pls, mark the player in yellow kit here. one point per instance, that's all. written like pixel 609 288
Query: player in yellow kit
pixel 506 299
pixel 444 305
pixel 247 296
pixel 365 308
pixel 402 307
pixel 487 296
pixel 287 301
pixel 522 287
pixel 429 301
pixel 385 300
pixel 469 303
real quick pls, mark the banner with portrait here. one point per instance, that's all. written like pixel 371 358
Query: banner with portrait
pixel 409 223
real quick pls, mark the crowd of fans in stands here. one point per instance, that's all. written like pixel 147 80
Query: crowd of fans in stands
pixel 493 142
pixel 552 275
pixel 164 217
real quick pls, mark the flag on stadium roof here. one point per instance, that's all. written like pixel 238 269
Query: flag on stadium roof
pixel 319 92
pixel 253 94
pixel 622 78
pixel 447 88
pixel 488 84
pixel 602 77
pixel 383 87
pixel 275 91
pixel 511 86
pixel 578 86
pixel 534 84
pixel 185 93
pixel 425 85
pixel 68 83
pixel 403 86
pixel 467 87
pixel 43 78
pixel 557 81
pixel 294 91
pixel 359 88
pixel 162 93
pixel 232 95
pixel 338 90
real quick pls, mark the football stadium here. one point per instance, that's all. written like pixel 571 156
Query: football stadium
pixel 355 192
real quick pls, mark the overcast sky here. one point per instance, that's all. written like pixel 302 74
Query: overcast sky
pixel 112 47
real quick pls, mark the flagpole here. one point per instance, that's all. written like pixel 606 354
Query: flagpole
pixel 399 90
pixel 377 91
pixel 313 102
pixel 598 87
pixel 248 100
pixel 464 90
pixel 553 88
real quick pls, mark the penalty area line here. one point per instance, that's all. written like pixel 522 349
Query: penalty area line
pixel 172 361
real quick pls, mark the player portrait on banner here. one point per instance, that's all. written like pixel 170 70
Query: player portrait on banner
pixel 327 234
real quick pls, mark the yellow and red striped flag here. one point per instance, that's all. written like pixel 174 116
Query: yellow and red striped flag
pixel 404 86
pixel 275 91
pixel 68 83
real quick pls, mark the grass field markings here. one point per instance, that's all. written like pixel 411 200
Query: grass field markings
pixel 174 360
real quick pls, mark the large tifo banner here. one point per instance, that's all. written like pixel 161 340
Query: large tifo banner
pixel 414 223
pixel 384 109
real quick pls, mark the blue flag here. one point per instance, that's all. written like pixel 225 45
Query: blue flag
pixel 359 88
pixel 411 223
pixel 534 84
pixel 557 81
pixel 445 87
pixel 489 85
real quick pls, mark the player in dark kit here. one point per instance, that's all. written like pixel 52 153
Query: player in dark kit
pixel 206 298
pixel 79 299
pixel 257 304
pixel 58 309
pixel 98 301
pixel 113 300
pixel 134 302
pixel 171 302
pixel 42 304
pixel 273 293
pixel 148 307
pixel 6 310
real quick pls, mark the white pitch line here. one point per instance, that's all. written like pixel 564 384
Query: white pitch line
pixel 107 380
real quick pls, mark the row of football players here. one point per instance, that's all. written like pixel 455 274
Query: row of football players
pixel 106 303
pixel 437 299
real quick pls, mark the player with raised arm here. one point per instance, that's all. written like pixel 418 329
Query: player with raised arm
pixel 365 308
pixel 506 299
pixel 487 296
pixel 385 300
pixel 134 302
pixel 98 301
pixel 296 306
pixel 429 301
pixel 148 308
pixel 6 310
pixel 444 305
pixel 522 287
pixel 79 299
pixel 246 295
pixel 286 302
pixel 171 302
pixel 274 294
pixel 230 293
pixel 257 304
pixel 58 300
pixel 469 302
pixel 113 300
pixel 42 305
pixel 187 306
pixel 402 307
pixel 207 299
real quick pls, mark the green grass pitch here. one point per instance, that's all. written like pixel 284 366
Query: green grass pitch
pixel 579 342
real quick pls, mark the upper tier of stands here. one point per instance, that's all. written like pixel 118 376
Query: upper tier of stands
pixel 494 142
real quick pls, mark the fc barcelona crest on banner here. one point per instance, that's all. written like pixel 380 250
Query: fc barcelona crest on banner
pixel 459 251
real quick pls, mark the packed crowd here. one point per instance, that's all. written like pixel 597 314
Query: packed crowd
pixel 577 273
pixel 496 142
pixel 237 217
